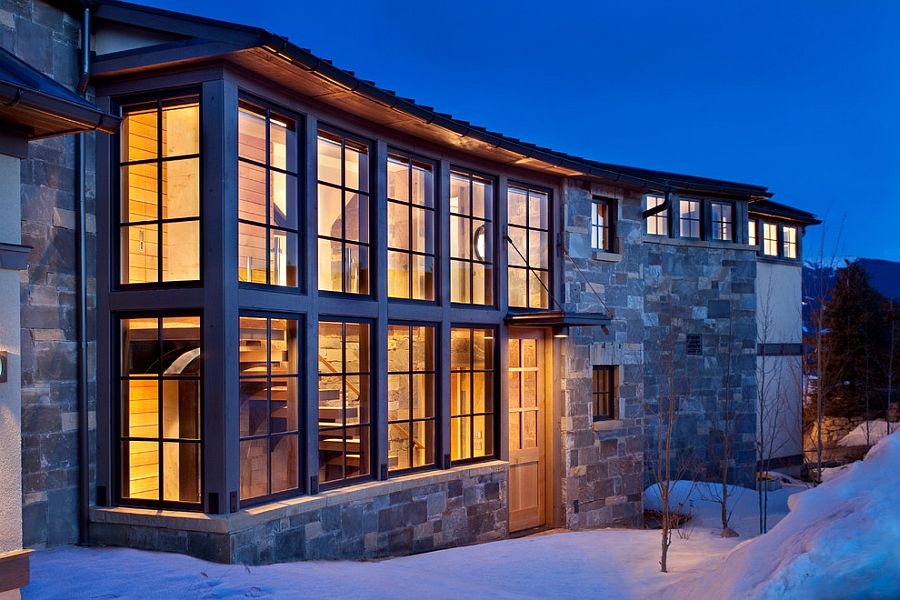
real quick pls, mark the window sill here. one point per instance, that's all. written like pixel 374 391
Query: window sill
pixel 608 425
pixel 667 241
pixel 610 257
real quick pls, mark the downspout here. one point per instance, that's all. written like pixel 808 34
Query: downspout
pixel 84 469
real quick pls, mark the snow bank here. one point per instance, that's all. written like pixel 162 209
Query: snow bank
pixel 840 540
pixel 857 437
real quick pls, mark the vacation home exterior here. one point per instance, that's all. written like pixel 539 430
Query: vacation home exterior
pixel 327 321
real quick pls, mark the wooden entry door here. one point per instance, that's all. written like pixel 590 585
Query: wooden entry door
pixel 527 455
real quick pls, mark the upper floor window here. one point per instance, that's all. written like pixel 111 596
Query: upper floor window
pixel 604 393
pixel 160 191
pixel 267 197
pixel 690 218
pixel 722 221
pixel 343 207
pixel 269 406
pixel 601 225
pixel 410 222
pixel 160 409
pixel 472 397
pixel 789 237
pixel 657 224
pixel 752 226
pixel 471 239
pixel 770 239
pixel 529 256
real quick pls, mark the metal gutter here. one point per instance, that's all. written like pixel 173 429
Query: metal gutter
pixel 83 118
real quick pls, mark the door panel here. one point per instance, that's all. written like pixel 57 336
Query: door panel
pixel 527 469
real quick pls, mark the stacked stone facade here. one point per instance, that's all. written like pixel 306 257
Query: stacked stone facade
pixel 48 39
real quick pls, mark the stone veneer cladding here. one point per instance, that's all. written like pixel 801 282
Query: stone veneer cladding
pixel 48 39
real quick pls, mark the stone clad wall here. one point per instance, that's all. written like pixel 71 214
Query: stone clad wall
pixel 602 478
pixel 704 289
pixel 48 40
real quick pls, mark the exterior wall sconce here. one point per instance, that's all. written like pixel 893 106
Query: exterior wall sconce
pixel 561 333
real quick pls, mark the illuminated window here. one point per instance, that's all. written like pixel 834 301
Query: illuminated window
pixel 267 197
pixel 471 239
pixel 472 397
pixel 344 408
pixel 269 406
pixel 160 192
pixel 770 239
pixel 528 255
pixel 657 224
pixel 343 206
pixel 690 218
pixel 722 221
pixel 601 225
pixel 789 235
pixel 751 232
pixel 160 409
pixel 411 381
pixel 604 393
pixel 410 222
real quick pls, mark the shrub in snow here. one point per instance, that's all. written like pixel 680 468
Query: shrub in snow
pixel 840 540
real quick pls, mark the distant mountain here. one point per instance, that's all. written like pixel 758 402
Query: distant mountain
pixel 884 275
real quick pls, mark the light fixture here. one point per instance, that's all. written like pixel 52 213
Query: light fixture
pixel 561 333
pixel 479 242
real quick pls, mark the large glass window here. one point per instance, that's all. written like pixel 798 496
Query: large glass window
pixel 269 406
pixel 472 393
pixel 410 222
pixel 657 224
pixel 160 409
pixel 267 197
pixel 789 237
pixel 343 206
pixel 411 393
pixel 159 171
pixel 722 221
pixel 529 256
pixel 690 218
pixel 471 239
pixel 344 407
pixel 601 225
pixel 770 239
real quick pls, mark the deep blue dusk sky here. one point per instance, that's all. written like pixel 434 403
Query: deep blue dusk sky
pixel 800 96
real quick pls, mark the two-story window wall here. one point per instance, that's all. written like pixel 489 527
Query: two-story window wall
pixel 529 261
pixel 411 228
pixel 267 197
pixel 159 171
pixel 471 238
pixel 343 209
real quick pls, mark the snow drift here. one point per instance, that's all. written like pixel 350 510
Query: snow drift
pixel 840 540
pixel 857 437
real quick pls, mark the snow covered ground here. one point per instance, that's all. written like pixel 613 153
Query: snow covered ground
pixel 840 540
pixel 877 430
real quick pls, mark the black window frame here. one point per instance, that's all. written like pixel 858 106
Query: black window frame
pixel 776 240
pixel 609 229
pixel 511 249
pixel 783 246
pixel 663 217
pixel 718 227
pixel 495 390
pixel 753 233
pixel 682 219
pixel 607 374
pixel 489 225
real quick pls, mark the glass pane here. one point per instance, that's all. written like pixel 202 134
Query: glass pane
pixel 460 281
pixel 181 475
pixel 331 395
pixel 423 443
pixel 399 349
pixel 460 393
pixel 518 246
pixel 482 199
pixel 181 409
pixel 398 226
pixel 482 241
pixel 181 251
pixel 331 455
pixel 141 470
pixel 517 207
pixel 283 258
pixel 181 130
pixel 140 247
pixel 251 253
pixel 460 202
pixel 482 392
pixel 356 166
pixel 423 348
pixel 141 416
pixel 284 346
pixel 357 399
pixel 140 135
pixel 460 237
pixel 282 144
pixel 398 179
pixel 254 468
pixel 398 274
pixel 483 345
pixel 422 230
pixel 422 396
pixel 251 192
pixel 251 135
pixel 331 347
pixel 139 193
pixel 422 185
pixel 537 289
pixel 483 434
pixel 518 292
pixel 357 269
pixel 538 245
pixel 537 210
pixel 329 208
pixel 330 266
pixel 422 277
pixel 358 452
pixel 399 397
pixel 283 405
pixel 356 213
pixel 460 349
pixel 357 348
pixel 482 284
pixel 460 438
pixel 140 346
pixel 399 443
pixel 283 200
pixel 181 346
pixel 285 461
pixel 329 159
pixel 254 408
pixel 181 188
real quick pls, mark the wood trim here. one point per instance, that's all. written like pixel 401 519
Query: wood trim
pixel 15 570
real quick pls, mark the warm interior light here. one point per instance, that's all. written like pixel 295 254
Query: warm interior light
pixel 479 242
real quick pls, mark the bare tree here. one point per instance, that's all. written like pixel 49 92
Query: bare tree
pixel 724 442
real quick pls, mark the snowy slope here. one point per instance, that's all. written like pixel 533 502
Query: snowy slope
pixel 840 540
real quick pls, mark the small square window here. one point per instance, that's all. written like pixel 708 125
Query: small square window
pixel 604 400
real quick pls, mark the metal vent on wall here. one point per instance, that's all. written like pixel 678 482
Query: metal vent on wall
pixel 694 344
